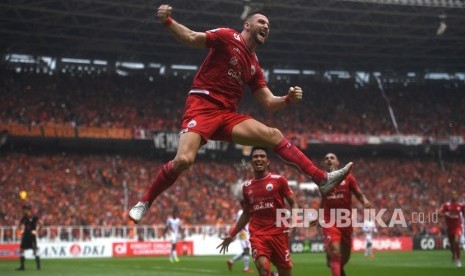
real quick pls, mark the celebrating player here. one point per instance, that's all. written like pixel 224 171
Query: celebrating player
pixel 245 244
pixel 173 230
pixel 32 225
pixel 263 196
pixel 338 240
pixel 453 212
pixel 211 106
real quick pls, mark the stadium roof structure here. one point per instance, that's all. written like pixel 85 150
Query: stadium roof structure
pixel 376 35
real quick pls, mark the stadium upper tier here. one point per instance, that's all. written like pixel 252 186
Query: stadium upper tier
pixel 433 108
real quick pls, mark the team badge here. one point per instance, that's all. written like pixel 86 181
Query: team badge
pixel 269 187
pixel 252 70
pixel 233 61
pixel 192 123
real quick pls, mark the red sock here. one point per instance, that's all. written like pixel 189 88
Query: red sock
pixel 164 179
pixel 457 250
pixel 335 264
pixel 291 155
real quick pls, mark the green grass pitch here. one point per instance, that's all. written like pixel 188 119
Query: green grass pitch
pixel 424 263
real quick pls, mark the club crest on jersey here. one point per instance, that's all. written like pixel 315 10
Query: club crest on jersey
pixel 233 61
pixel 269 187
pixel 252 70
pixel 192 123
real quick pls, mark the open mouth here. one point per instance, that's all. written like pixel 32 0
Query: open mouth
pixel 262 34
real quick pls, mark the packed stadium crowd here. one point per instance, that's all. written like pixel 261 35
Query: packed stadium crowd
pixel 70 189
pixel 344 106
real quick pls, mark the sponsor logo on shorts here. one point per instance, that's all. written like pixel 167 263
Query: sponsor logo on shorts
pixel 192 123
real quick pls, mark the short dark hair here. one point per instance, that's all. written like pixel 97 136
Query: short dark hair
pixel 258 148
pixel 254 12
pixel 26 207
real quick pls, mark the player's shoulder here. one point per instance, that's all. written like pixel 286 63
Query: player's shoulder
pixel 246 183
pixel 222 30
pixel 350 177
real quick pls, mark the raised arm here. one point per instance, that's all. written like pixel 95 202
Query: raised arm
pixel 270 102
pixel 182 34
pixel 362 198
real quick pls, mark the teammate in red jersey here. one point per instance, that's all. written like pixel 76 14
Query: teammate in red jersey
pixel 263 196
pixel 454 212
pixel 338 240
pixel 211 106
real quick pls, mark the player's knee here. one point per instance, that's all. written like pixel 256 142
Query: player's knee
pixel 263 270
pixel 183 162
pixel 274 135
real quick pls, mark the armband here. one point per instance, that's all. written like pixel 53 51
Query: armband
pixel 287 100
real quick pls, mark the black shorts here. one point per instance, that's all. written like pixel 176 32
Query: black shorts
pixel 28 242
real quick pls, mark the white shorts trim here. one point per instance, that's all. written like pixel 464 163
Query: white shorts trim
pixel 199 91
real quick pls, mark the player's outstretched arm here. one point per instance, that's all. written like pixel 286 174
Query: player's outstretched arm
pixel 270 102
pixel 182 34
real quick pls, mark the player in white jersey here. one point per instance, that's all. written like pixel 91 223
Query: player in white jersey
pixel 369 228
pixel 244 236
pixel 173 231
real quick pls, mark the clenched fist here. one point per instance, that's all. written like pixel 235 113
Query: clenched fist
pixel 163 12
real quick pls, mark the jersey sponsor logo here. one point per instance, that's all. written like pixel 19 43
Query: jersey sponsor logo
pixel 261 206
pixel 269 187
pixel 237 50
pixel 192 123
pixel 236 76
pixel 237 37
pixel 335 196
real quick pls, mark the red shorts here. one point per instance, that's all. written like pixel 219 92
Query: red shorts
pixel 455 231
pixel 274 247
pixel 203 116
pixel 337 234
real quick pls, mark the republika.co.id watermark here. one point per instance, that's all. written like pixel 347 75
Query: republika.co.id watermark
pixel 346 217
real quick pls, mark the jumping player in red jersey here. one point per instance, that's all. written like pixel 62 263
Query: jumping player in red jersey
pixel 338 240
pixel 263 196
pixel 454 211
pixel 211 106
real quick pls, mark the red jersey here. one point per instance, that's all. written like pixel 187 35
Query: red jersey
pixel 228 67
pixel 340 197
pixel 453 213
pixel 264 197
